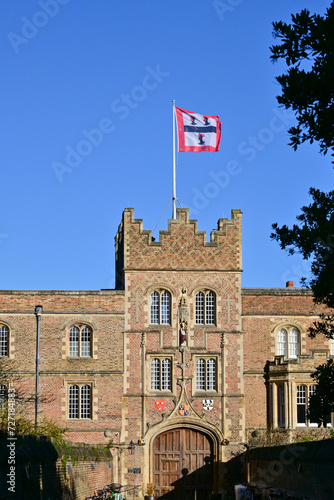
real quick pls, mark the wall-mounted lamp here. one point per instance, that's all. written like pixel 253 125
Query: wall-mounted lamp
pixel 124 446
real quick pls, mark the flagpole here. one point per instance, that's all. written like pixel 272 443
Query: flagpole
pixel 174 172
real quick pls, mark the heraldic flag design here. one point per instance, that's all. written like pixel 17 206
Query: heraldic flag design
pixel 196 132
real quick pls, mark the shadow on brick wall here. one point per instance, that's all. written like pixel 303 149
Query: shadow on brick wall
pixel 301 469
pixel 37 468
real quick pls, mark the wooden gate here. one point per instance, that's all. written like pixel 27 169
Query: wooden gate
pixel 182 465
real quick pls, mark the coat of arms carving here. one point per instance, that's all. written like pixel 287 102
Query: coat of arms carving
pixel 184 410
pixel 159 404
pixel 208 404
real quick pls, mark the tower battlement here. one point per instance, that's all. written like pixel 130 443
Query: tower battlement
pixel 182 247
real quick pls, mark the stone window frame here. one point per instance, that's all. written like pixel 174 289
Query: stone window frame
pixel 80 325
pixel 205 312
pixel 302 399
pixel 206 357
pixel 4 325
pixel 286 348
pixel 80 385
pixel 160 291
pixel 160 357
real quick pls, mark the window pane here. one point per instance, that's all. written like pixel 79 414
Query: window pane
pixel 199 305
pixel 210 308
pixel 165 308
pixel 293 343
pixel 301 404
pixel 200 374
pixel 211 375
pixel 165 374
pixel 281 342
pixel 154 308
pixel 3 341
pixel 85 401
pixel 301 394
pixel 301 414
pixel 85 341
pixel 74 341
pixel 73 401
pixel 155 374
pixel 311 391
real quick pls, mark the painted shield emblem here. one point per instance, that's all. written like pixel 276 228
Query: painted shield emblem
pixel 207 404
pixel 184 410
pixel 159 404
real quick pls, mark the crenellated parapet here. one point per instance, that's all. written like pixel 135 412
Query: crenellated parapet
pixel 182 247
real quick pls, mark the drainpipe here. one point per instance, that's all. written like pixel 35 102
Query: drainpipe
pixel 143 377
pixel 38 312
pixel 223 399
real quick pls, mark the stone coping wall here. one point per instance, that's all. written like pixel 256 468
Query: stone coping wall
pixel 46 469
pixel 303 469
pixel 257 438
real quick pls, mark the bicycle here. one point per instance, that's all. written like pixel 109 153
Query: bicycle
pixel 110 491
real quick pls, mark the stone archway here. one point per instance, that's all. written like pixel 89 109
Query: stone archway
pixel 183 464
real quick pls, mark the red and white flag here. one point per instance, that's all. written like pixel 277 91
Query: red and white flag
pixel 196 132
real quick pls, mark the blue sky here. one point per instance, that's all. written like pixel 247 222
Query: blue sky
pixel 86 130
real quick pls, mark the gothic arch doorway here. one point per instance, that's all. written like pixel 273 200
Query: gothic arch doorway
pixel 183 464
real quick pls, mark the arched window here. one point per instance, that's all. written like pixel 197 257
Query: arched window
pixel 205 308
pixel 73 401
pixel 206 374
pixel 4 338
pixel 281 342
pixel 80 339
pixel 160 374
pixel 79 401
pixel 293 343
pixel 288 342
pixel 85 401
pixel 160 307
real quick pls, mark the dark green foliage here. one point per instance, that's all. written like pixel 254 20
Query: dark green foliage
pixel 321 404
pixel 307 45
pixel 313 237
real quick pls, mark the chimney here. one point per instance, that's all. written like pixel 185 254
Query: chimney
pixel 289 284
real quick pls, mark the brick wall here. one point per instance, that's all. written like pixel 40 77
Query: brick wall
pixel 103 312
pixel 264 311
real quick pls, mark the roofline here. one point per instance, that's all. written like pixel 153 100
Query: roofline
pixel 276 291
pixel 105 291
